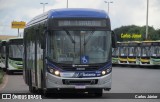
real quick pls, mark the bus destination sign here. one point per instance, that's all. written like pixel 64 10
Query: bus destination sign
pixel 92 23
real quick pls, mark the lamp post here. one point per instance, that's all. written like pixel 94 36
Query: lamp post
pixel 147 20
pixel 108 5
pixel 67 3
pixel 43 6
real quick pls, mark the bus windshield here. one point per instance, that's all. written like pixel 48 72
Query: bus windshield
pixel 3 51
pixel 114 52
pixel 132 51
pixel 123 51
pixel 155 51
pixel 145 51
pixel 15 51
pixel 70 46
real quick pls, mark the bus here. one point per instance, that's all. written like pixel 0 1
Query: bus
pixel 115 53
pixel 155 53
pixel 3 55
pixel 145 53
pixel 133 53
pixel 123 53
pixel 69 49
pixel 14 52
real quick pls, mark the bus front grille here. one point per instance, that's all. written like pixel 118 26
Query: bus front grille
pixel 69 67
pixel 80 82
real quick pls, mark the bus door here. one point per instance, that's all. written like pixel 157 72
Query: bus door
pixel 32 61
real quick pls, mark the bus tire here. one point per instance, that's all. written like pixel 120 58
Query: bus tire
pixel 9 72
pixel 98 92
pixel 32 89
pixel 45 93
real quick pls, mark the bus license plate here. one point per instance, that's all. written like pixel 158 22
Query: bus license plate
pixel 80 87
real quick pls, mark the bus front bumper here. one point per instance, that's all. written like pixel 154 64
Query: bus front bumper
pixel 53 82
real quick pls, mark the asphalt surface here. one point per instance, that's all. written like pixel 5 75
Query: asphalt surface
pixel 124 80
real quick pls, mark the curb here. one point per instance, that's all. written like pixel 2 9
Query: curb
pixel 4 82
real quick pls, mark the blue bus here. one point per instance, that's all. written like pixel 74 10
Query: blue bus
pixel 69 49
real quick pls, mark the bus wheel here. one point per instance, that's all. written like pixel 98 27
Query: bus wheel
pixel 9 72
pixel 98 92
pixel 45 93
pixel 4 69
pixel 32 89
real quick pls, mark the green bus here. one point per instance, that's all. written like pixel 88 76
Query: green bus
pixel 14 55
pixel 3 57
pixel 155 53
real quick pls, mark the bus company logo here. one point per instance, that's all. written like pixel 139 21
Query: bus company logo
pixel 78 75
pixel 6 96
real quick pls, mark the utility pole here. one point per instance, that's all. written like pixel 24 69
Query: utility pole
pixel 43 6
pixel 147 20
pixel 67 3
pixel 108 5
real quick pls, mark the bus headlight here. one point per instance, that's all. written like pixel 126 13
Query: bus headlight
pixel 57 73
pixel 103 72
pixel 53 71
pixel 106 71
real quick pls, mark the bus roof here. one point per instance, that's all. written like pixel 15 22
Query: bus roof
pixel 77 12
pixel 70 13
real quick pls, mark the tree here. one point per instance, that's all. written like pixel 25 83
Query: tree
pixel 133 29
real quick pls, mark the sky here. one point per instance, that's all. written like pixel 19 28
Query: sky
pixel 121 12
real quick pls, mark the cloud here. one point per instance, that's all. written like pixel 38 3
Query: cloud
pixel 122 12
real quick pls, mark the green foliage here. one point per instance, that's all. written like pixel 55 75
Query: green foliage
pixel 133 29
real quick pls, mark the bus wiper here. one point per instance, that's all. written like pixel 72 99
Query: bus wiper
pixel 69 35
pixel 90 36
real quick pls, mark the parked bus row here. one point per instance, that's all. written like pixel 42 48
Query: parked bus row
pixel 143 53
pixel 11 52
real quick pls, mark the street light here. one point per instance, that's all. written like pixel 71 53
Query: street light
pixel 147 20
pixel 43 6
pixel 108 5
pixel 67 3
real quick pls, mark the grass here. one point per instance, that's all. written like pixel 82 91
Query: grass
pixel 1 75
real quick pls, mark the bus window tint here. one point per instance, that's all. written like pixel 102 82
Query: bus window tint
pixel 15 51
pixel 70 46
pixel 146 51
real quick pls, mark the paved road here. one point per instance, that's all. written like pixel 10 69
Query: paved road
pixel 125 80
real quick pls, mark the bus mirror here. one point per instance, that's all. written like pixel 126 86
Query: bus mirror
pixel 114 40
